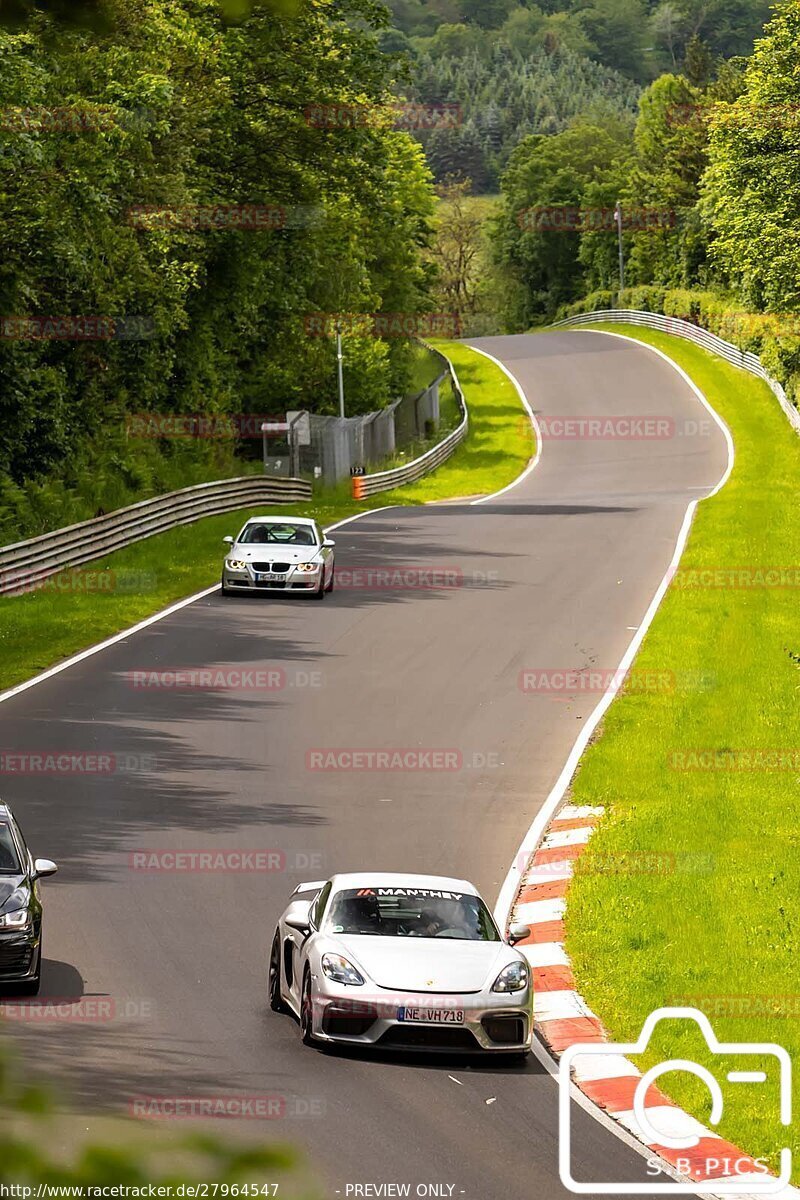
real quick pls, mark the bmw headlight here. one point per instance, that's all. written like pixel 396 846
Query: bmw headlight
pixel 312 566
pixel 236 564
pixel 513 978
pixel 341 971
pixel 21 919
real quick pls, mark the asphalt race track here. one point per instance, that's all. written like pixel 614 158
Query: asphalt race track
pixel 554 574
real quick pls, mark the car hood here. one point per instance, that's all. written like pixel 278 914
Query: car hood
pixel 8 885
pixel 272 552
pixel 427 964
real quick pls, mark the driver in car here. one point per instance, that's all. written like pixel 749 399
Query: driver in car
pixel 359 914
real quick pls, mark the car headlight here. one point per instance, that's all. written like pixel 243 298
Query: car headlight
pixel 312 566
pixel 21 919
pixel 513 978
pixel 236 564
pixel 341 971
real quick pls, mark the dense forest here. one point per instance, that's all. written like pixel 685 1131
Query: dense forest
pixel 501 97
pixel 641 38
pixel 714 158
pixel 186 185
pixel 171 182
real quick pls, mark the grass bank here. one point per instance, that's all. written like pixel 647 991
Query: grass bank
pixel 688 893
pixel 46 626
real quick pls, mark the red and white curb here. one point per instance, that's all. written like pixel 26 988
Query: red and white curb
pixel 563 1019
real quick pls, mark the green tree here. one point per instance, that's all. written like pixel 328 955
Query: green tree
pixel 537 237
pixel 751 190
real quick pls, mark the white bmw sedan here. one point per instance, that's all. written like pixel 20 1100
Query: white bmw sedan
pixel 288 554
pixel 401 962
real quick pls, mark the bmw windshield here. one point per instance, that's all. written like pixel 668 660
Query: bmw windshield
pixel 257 534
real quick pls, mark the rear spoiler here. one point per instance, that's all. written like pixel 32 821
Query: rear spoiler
pixel 309 887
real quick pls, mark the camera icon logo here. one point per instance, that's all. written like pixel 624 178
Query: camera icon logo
pixel 587 1059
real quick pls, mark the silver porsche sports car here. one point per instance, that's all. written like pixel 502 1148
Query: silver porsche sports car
pixel 410 962
pixel 288 554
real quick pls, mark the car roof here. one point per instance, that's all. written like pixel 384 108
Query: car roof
pixel 5 811
pixel 445 883
pixel 282 517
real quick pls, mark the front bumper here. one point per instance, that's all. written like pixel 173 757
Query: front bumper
pixel 494 1022
pixel 292 580
pixel 19 957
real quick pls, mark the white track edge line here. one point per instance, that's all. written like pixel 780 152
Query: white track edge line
pixel 548 809
pixel 534 422
pixel 74 659
pixel 509 890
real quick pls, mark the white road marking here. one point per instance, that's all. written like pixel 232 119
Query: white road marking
pixel 534 422
pixel 545 814
pixel 533 837
pixel 74 659
pixel 545 954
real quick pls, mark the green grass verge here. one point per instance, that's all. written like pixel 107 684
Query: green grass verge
pixel 688 893
pixel 46 626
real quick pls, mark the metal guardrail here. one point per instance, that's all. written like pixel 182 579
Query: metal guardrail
pixel 694 333
pixel 382 481
pixel 24 564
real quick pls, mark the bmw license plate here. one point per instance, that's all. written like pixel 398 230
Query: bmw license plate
pixel 432 1016
pixel 268 577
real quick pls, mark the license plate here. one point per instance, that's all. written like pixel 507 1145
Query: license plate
pixel 268 577
pixel 432 1016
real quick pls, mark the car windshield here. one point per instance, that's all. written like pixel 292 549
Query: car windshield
pixel 282 534
pixel 9 861
pixel 412 912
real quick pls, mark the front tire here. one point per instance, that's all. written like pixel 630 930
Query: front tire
pixel 332 579
pixel 224 591
pixel 306 1013
pixel 319 594
pixel 275 999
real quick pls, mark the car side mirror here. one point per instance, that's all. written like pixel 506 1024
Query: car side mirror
pixel 298 924
pixel 518 933
pixel 228 541
pixel 42 867
pixel 329 543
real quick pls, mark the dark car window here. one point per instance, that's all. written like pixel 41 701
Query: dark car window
pixel 283 534
pixel 412 912
pixel 318 907
pixel 9 859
